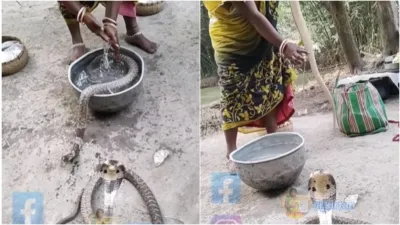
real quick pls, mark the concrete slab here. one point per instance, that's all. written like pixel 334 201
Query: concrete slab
pixel 38 105
pixel 367 166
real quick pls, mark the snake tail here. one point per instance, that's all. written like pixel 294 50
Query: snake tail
pixel 75 213
pixel 147 195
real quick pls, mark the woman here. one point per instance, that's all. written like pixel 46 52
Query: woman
pixel 255 82
pixel 70 10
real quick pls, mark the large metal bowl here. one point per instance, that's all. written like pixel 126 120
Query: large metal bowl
pixel 109 103
pixel 273 161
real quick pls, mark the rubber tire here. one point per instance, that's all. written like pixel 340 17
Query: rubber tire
pixel 148 9
pixel 16 64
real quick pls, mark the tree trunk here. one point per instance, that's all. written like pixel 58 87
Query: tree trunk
pixel 389 26
pixel 338 11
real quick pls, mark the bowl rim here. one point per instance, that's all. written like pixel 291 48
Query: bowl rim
pixel 114 94
pixel 270 159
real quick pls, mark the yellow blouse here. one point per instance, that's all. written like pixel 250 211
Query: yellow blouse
pixel 230 33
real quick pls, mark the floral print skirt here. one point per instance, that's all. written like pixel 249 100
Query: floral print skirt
pixel 247 96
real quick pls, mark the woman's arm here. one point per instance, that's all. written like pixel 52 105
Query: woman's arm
pixel 112 9
pixel 72 6
pixel 248 9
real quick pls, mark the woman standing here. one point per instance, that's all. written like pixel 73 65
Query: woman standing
pixel 71 9
pixel 255 81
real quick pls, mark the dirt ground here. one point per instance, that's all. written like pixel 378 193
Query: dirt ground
pixel 38 104
pixel 367 166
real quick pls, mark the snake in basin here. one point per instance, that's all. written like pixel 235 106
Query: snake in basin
pixel 111 173
pixel 87 93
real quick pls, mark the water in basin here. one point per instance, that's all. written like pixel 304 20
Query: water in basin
pixel 269 152
pixel 102 71
pixel 268 147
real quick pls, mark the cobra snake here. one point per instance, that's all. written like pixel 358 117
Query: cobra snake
pixel 88 92
pixel 322 190
pixel 116 172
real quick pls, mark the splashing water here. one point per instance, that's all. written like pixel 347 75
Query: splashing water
pixel 106 62
pixel 106 69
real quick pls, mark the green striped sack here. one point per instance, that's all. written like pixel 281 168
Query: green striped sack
pixel 359 109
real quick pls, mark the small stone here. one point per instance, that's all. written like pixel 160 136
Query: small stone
pixel 302 112
pixel 160 156
pixel 351 199
pixel 324 106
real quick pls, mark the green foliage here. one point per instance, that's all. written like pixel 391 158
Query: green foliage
pixel 363 20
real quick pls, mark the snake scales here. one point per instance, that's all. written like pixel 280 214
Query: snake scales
pixel 101 88
pixel 84 203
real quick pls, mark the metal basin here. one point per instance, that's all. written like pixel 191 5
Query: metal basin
pixel 273 161
pixel 109 103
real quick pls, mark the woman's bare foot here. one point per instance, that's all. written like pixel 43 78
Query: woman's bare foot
pixel 139 40
pixel 231 167
pixel 78 50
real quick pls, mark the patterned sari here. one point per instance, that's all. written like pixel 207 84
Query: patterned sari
pixel 253 79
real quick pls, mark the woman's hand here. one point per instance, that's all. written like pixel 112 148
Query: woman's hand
pixel 112 34
pixel 109 33
pixel 295 53
pixel 112 9
pixel 95 26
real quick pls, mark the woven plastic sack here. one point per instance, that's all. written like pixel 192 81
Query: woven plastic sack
pixel 359 109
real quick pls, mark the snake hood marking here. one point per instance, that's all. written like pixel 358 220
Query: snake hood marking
pixel 322 186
